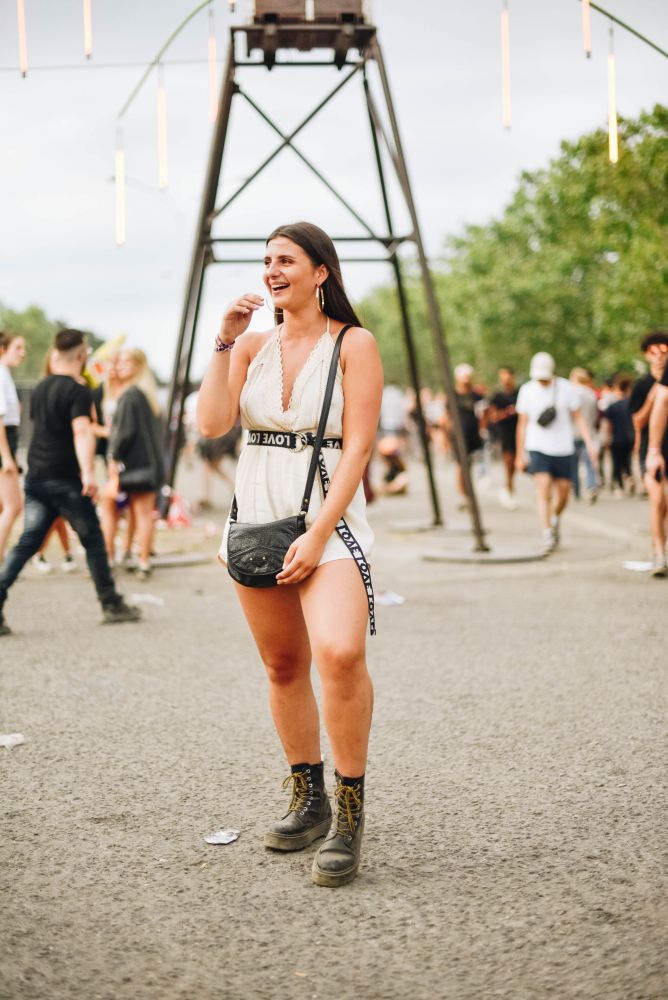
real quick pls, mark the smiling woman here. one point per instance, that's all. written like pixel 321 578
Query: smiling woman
pixel 291 387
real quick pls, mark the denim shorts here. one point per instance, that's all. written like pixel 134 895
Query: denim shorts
pixel 557 466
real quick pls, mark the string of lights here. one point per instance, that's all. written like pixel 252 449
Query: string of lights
pixel 159 63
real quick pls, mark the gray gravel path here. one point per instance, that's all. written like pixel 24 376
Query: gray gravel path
pixel 516 814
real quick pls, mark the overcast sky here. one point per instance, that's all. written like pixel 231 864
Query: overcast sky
pixel 444 62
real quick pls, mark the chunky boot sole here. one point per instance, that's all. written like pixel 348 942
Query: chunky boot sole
pixel 280 842
pixel 334 879
pixel 331 880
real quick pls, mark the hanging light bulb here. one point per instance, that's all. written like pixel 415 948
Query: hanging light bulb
pixel 23 45
pixel 309 10
pixel 613 143
pixel 213 68
pixel 163 173
pixel 119 178
pixel 586 27
pixel 505 64
pixel 88 28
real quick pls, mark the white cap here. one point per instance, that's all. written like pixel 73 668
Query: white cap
pixel 463 371
pixel 542 365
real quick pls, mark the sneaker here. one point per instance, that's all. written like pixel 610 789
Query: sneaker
pixel 659 566
pixel 554 528
pixel 591 496
pixel 507 500
pixel 4 627
pixel 40 563
pixel 68 564
pixel 143 571
pixel 119 612
pixel 548 540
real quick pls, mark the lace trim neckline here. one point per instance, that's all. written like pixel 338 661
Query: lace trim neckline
pixel 304 367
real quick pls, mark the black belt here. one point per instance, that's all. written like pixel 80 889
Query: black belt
pixel 286 439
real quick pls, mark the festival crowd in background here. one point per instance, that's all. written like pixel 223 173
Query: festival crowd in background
pixel 97 419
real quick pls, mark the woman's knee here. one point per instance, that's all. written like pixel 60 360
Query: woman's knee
pixel 338 661
pixel 285 667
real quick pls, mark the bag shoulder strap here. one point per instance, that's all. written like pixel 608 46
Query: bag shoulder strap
pixel 324 414
pixel 320 434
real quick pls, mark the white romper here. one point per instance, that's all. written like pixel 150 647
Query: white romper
pixel 270 481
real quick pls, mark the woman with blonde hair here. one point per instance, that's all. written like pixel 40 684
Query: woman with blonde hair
pixel 136 464
pixel 12 353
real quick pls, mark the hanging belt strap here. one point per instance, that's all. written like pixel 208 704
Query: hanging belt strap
pixel 353 546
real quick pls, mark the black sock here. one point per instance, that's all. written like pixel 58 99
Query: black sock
pixel 302 767
pixel 351 782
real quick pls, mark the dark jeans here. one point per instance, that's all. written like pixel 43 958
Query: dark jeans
pixel 621 461
pixel 45 500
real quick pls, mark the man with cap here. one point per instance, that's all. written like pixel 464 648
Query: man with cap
pixel 547 408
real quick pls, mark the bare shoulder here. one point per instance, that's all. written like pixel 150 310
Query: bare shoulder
pixel 251 342
pixel 358 344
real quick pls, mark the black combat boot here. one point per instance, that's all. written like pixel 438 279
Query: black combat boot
pixel 309 814
pixel 338 859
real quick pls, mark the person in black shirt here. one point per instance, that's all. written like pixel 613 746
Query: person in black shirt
pixel 61 478
pixel 643 400
pixel 618 415
pixel 502 418
pixel 468 401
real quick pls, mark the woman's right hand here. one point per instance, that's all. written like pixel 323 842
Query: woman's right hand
pixel 238 315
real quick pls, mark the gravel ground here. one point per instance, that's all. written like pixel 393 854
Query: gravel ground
pixel 516 812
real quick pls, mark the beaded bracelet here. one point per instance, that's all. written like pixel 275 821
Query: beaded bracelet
pixel 220 346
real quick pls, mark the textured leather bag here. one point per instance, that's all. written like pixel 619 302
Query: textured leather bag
pixel 255 552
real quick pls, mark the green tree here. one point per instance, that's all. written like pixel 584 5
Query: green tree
pixel 576 264
pixel 38 331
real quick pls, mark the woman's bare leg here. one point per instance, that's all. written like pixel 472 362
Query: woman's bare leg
pixel 142 506
pixel 335 610
pixel 11 505
pixel 277 623
pixel 109 522
pixel 60 527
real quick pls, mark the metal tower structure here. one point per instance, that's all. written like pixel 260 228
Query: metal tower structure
pixel 342 29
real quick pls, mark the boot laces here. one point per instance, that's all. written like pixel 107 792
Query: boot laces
pixel 300 791
pixel 349 803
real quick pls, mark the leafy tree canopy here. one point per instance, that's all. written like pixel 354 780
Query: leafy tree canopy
pixel 576 265
pixel 38 331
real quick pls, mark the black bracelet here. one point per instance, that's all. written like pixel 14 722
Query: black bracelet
pixel 220 346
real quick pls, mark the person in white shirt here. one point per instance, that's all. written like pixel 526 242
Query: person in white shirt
pixel 12 353
pixel 548 409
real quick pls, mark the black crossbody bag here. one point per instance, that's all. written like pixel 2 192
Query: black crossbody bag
pixel 549 414
pixel 255 552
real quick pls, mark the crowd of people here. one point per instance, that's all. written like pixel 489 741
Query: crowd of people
pixel 309 393
pixel 575 437
pixel 75 420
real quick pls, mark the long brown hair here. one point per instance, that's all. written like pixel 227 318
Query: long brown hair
pixel 318 246
pixel 6 338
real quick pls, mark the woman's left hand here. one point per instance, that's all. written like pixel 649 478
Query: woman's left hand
pixel 301 558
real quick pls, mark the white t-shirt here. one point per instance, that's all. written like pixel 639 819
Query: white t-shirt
pixel 10 411
pixel 533 398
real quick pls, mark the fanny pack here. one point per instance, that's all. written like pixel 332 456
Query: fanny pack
pixel 549 414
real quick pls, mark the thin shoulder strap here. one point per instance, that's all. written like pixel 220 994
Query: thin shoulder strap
pixel 327 402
